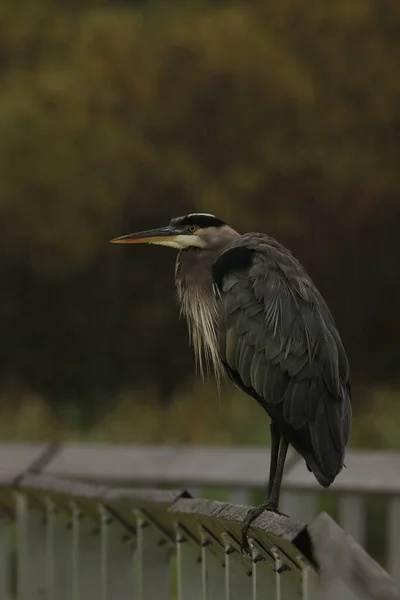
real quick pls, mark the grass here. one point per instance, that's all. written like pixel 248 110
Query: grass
pixel 198 415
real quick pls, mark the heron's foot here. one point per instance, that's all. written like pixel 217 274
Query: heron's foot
pixel 252 516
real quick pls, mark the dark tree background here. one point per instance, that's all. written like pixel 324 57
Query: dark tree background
pixel 114 116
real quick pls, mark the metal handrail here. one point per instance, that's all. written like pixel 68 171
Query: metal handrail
pixel 82 542
pixel 238 470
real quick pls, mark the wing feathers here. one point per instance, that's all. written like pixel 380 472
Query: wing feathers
pixel 278 339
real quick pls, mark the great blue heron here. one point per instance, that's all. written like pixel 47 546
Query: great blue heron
pixel 254 314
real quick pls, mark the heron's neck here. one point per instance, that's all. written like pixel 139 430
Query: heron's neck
pixel 193 278
pixel 194 265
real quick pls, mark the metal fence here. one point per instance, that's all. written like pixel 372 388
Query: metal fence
pixel 239 471
pixel 76 541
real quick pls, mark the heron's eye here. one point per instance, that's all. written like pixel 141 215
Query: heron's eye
pixel 192 228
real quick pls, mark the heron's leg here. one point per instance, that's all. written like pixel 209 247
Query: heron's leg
pixel 275 439
pixel 273 497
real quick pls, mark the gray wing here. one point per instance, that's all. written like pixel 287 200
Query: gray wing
pixel 279 343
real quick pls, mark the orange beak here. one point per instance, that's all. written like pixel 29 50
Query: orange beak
pixel 147 237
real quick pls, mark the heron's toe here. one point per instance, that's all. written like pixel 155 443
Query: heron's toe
pixel 251 516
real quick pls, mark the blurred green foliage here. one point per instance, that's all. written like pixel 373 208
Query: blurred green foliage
pixel 115 116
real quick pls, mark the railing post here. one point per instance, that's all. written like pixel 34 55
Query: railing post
pixel 188 556
pixel 309 584
pixel 86 555
pixel 117 545
pixel 394 539
pixel 265 582
pixel 238 580
pixel 50 550
pixel 152 555
pixel 5 557
pixel 212 567
pixel 31 558
pixel 59 551
pixel 76 516
pixel 105 521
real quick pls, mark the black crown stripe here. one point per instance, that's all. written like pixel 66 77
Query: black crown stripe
pixel 199 220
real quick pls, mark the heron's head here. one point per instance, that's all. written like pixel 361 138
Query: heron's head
pixel 197 230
